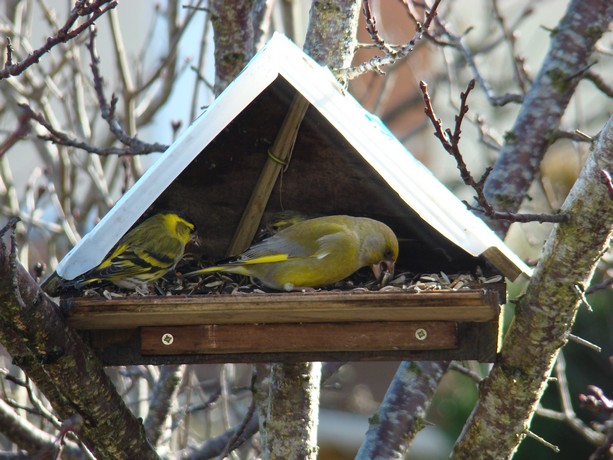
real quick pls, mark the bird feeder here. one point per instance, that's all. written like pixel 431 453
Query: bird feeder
pixel 286 135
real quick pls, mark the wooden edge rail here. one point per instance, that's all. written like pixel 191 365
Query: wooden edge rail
pixel 86 313
pixel 293 338
pixel 122 347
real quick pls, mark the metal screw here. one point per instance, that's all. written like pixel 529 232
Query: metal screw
pixel 421 334
pixel 167 339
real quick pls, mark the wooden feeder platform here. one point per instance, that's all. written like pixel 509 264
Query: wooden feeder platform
pixel 291 327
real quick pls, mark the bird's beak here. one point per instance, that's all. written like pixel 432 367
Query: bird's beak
pixel 383 271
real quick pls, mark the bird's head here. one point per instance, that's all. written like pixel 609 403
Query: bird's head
pixel 182 228
pixel 379 249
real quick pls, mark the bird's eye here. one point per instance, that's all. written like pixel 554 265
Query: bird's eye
pixel 388 254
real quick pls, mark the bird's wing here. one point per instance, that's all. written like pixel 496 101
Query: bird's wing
pixel 296 242
pixel 128 260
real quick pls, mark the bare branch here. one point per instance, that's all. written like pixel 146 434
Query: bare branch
pixel 599 83
pixel 600 286
pixel 58 137
pixel 475 377
pixel 543 441
pixel 108 110
pixel 82 9
pixel 403 410
pixel 450 142
pixel 27 436
pixel 394 54
pixel 163 396
pixel 576 136
pixel 526 143
pixel 457 42
pixel 371 28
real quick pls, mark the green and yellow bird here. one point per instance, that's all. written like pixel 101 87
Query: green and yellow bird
pixel 316 252
pixel 144 254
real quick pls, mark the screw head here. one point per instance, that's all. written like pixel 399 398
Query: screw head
pixel 167 339
pixel 421 334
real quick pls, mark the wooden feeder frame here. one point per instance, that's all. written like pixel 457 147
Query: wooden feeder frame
pixel 291 327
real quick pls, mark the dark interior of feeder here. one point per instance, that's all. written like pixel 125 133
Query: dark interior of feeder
pixel 325 176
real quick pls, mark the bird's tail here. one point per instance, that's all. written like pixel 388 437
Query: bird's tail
pixel 78 283
pixel 202 271
pixel 241 265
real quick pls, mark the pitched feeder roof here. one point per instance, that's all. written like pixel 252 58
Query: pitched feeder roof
pixel 410 183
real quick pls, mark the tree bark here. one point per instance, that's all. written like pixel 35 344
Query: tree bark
pixel 332 34
pixel 402 413
pixel 525 145
pixel 64 368
pixel 544 315
pixel 293 411
pixel 288 424
pixel 572 44
pixel 234 36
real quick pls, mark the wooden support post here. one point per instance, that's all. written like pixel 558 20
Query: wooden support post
pixel 278 157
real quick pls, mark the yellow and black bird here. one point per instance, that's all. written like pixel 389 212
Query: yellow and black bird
pixel 316 252
pixel 144 254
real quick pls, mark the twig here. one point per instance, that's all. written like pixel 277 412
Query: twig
pixel 107 110
pixel 567 406
pixel 450 142
pixel 581 293
pixel 454 366
pixel 585 343
pixel 371 28
pixel 599 82
pixel 9 52
pixel 596 400
pixel 604 450
pixel 577 136
pixel 59 137
pixel 546 443
pixel 457 42
pixel 10 225
pixel 393 54
pixel 81 9
pixel 239 432
pixel 600 286
pixel 510 39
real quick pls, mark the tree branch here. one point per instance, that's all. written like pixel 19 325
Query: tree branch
pixel 525 145
pixel 544 315
pixel 234 36
pixel 63 367
pixel 58 137
pixel 393 54
pixel 451 143
pixel 403 411
pixel 163 397
pixel 29 437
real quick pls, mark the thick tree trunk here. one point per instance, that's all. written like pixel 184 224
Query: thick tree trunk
pixel 64 368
